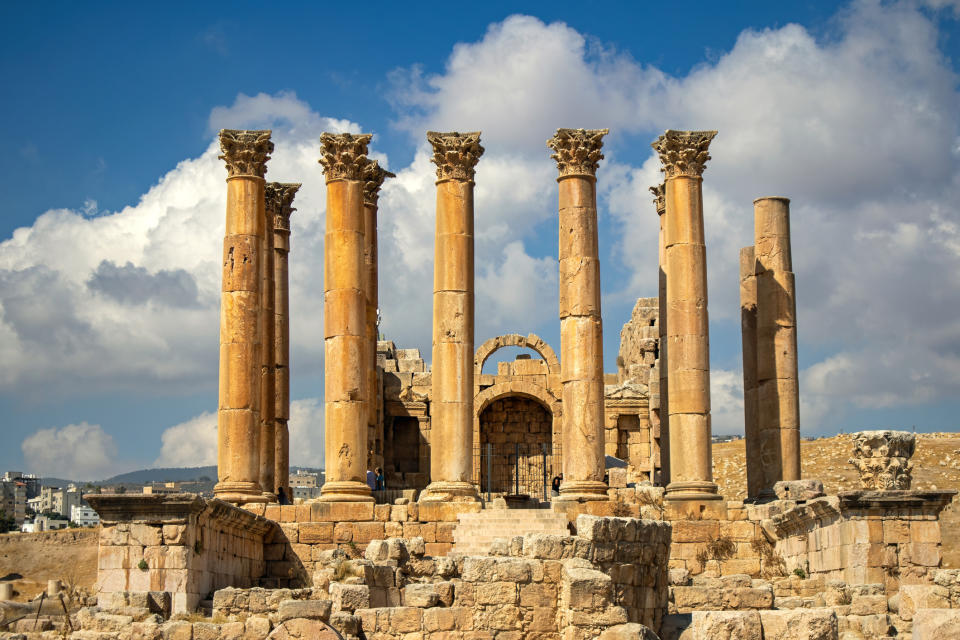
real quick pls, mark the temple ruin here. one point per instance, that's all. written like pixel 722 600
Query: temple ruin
pixel 468 540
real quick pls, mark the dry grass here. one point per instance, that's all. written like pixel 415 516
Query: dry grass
pixel 936 466
pixel 69 555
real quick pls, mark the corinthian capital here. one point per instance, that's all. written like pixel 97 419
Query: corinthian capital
pixel 245 151
pixel 577 150
pixel 373 177
pixel 660 198
pixel 279 203
pixel 683 153
pixel 455 154
pixel 344 155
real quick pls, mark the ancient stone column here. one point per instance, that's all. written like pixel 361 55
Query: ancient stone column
pixel 238 417
pixel 344 324
pixel 282 208
pixel 684 156
pixel 577 152
pixel 373 176
pixel 778 395
pixel 660 202
pixel 748 333
pixel 268 425
pixel 451 407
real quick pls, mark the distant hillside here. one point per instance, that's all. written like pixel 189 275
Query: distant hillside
pixel 173 474
pixel 168 474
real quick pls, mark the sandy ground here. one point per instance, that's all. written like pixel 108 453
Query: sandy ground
pixel 69 555
pixel 936 465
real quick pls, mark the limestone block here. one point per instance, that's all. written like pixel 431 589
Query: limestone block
pixel 311 609
pixel 799 624
pixel 617 477
pixel 177 630
pixel 584 588
pixel 725 625
pixel 420 595
pixel 496 593
pixel 174 533
pixel 315 532
pixel 629 631
pixel 922 596
pixel 349 597
pixel 146 535
pixel 936 624
pixel 405 619
pixel 301 629
pixel 341 511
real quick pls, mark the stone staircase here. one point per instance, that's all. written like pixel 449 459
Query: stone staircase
pixel 476 532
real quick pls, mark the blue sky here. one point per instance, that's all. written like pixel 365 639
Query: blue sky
pixel 113 196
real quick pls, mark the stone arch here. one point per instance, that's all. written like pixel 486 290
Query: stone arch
pixel 532 341
pixel 516 388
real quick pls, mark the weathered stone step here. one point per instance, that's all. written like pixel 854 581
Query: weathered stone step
pixel 476 532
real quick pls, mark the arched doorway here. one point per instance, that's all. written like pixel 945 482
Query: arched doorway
pixel 517 438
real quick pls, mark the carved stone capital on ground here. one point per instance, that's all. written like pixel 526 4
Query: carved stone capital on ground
pixel 344 155
pixel 683 153
pixel 577 151
pixel 882 458
pixel 660 198
pixel 455 154
pixel 246 151
pixel 373 177
pixel 279 203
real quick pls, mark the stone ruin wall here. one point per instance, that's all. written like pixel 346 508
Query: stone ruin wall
pixel 631 429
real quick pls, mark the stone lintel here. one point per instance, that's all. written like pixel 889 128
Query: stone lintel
pixel 455 154
pixel 246 151
pixel 173 508
pixel 279 203
pixel 683 153
pixel 928 501
pixel 344 155
pixel 577 151
pixel 373 178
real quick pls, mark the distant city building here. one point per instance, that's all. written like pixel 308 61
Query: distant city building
pixel 162 488
pixel 304 493
pixel 49 523
pixel 84 516
pixel 726 437
pixel 13 500
pixel 30 481
pixel 304 480
pixel 60 501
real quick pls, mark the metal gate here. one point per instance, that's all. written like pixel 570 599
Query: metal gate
pixel 525 468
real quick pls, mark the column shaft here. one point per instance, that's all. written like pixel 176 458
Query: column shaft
pixel 451 407
pixel 581 328
pixel 268 423
pixel 778 398
pixel 344 309
pixel 374 175
pixel 238 417
pixel 281 253
pixel 684 155
pixel 748 333
pixel 661 205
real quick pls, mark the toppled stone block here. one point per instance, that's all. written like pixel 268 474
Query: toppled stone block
pixel 921 596
pixel 310 609
pixel 798 489
pixel 582 587
pixel 302 629
pixel 799 624
pixel 678 577
pixel 725 625
pixel 936 624
pixel 630 631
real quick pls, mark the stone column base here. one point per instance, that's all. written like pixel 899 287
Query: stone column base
pixel 442 491
pixel 345 491
pixel 582 490
pixel 239 492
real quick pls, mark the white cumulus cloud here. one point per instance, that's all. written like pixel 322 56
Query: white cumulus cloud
pixel 75 452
